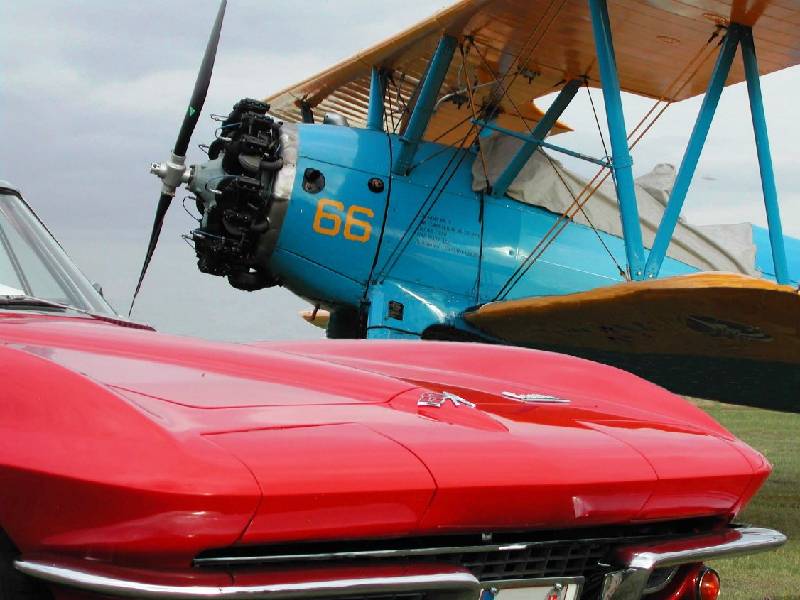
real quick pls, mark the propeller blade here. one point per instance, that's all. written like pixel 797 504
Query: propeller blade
pixel 200 86
pixel 163 204
pixel 171 172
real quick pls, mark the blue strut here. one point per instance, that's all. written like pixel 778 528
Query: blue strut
pixel 539 142
pixel 621 157
pixel 539 132
pixel 696 142
pixel 376 91
pixel 764 157
pixel 426 101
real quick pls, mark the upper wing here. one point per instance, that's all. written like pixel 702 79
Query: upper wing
pixel 531 46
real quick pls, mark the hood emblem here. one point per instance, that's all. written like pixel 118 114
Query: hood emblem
pixel 438 399
pixel 535 398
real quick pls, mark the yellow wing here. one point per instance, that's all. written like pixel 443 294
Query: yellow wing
pixel 531 46
pixel 714 335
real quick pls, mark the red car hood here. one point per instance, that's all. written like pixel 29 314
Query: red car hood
pixel 335 438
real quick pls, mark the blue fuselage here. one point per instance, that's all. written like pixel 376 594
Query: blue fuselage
pixel 356 245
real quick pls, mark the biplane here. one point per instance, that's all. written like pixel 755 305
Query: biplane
pixel 413 191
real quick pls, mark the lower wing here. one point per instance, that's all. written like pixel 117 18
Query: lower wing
pixel 712 335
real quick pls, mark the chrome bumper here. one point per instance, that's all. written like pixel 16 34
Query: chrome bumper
pixel 639 562
pixel 316 583
pixel 635 565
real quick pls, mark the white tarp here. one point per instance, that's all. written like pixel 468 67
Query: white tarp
pixel 709 248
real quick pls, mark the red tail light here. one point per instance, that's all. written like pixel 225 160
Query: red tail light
pixel 708 585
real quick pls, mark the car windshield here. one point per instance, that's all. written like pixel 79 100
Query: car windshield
pixel 33 264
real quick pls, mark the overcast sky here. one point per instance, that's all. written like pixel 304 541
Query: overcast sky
pixel 93 91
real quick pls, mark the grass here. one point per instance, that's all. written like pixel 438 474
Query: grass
pixel 773 576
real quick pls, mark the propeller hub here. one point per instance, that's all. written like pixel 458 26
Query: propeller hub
pixel 172 173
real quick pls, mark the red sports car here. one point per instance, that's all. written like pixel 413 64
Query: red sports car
pixel 138 464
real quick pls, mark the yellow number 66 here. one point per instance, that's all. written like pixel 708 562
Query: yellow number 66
pixel 328 220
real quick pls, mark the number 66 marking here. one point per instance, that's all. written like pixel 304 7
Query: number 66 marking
pixel 328 220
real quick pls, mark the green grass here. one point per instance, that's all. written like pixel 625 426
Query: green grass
pixel 776 575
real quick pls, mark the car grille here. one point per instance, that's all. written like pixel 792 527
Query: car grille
pixel 500 556
pixel 558 559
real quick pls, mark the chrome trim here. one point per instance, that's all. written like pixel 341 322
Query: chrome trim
pixel 628 583
pixel 704 547
pixel 506 584
pixel 535 398
pixel 557 583
pixel 438 399
pixel 639 562
pixel 667 580
pixel 497 547
pixel 107 584
pixel 394 553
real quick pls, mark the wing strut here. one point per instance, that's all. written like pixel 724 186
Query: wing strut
pixel 543 127
pixel 377 90
pixel 736 34
pixel 764 157
pixel 692 155
pixel 622 163
pixel 423 109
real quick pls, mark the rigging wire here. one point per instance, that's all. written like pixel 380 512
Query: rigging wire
pixel 492 100
pixel 506 93
pixel 450 130
pixel 426 206
pixel 501 90
pixel 475 117
pixel 406 110
pixel 482 221
pixel 603 173
pixel 388 102
pixel 597 119
pixel 622 271
pixel 405 239
pixel 386 105
pixel 443 149
pixel 583 197
pixel 382 234
pixel 497 79
pixel 516 64
pixel 558 173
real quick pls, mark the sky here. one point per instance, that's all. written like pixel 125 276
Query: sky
pixel 92 92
